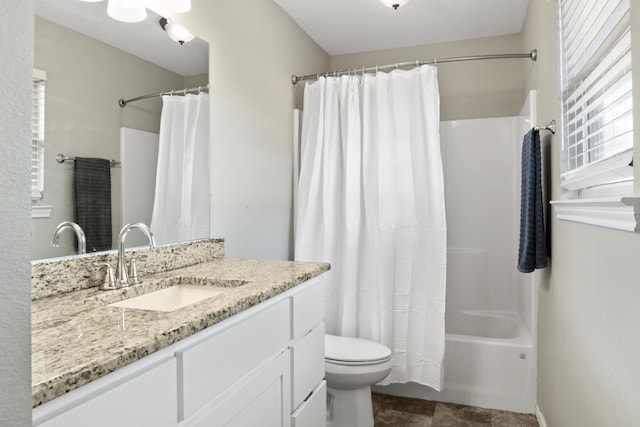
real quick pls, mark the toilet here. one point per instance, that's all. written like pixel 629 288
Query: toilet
pixel 352 366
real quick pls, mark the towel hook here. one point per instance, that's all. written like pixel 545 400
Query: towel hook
pixel 551 127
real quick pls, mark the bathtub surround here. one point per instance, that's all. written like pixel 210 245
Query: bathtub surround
pixel 371 202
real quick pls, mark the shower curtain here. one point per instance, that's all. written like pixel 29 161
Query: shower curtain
pixel 181 203
pixel 371 202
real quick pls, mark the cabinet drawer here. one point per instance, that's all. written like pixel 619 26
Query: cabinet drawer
pixel 210 367
pixel 308 364
pixel 148 399
pixel 313 411
pixel 307 307
pixel 260 399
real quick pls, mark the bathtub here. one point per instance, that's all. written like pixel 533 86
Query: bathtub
pixel 489 362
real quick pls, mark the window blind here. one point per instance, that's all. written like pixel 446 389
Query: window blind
pixel 595 52
pixel 37 134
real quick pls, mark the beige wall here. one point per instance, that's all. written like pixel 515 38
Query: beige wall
pixel 254 49
pixel 16 57
pixel 588 371
pixel 467 89
pixel 85 78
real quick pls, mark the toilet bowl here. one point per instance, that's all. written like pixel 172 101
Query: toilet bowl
pixel 352 366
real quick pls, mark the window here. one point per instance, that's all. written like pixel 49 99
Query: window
pixel 37 134
pixel 597 115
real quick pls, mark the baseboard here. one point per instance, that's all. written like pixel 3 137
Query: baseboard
pixel 540 416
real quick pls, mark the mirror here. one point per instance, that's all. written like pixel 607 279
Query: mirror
pixel 91 61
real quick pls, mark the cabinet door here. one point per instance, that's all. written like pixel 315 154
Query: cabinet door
pixel 207 369
pixel 313 411
pixel 308 364
pixel 307 307
pixel 149 399
pixel 261 399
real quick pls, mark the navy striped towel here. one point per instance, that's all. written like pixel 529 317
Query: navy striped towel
pixel 533 247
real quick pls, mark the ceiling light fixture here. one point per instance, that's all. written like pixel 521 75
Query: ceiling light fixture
pixel 176 32
pixel 395 4
pixel 136 10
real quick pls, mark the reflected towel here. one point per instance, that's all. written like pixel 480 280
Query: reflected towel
pixel 533 247
pixel 92 198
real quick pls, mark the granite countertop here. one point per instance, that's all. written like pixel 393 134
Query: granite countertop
pixel 77 338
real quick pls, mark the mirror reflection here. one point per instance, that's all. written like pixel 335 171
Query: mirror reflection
pixel 144 162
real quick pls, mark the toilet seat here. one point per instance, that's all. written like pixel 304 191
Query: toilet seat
pixel 348 351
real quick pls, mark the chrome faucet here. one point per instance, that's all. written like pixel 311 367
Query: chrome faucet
pixel 121 272
pixel 82 240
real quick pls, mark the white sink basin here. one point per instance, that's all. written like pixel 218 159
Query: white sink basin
pixel 170 299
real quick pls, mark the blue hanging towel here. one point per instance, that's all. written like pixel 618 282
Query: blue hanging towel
pixel 533 246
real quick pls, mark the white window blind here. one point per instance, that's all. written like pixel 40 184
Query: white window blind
pixel 595 51
pixel 37 134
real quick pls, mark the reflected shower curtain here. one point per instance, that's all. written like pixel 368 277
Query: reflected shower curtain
pixel 181 203
pixel 371 202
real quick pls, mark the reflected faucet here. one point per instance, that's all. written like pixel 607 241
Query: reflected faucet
pixel 82 240
pixel 121 272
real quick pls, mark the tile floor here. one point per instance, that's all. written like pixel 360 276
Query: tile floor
pixel 392 411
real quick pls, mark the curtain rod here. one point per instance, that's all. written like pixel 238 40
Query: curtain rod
pixel 533 55
pixel 123 102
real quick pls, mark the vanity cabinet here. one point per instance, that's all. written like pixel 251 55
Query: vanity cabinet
pixel 217 361
pixel 263 366
pixel 143 395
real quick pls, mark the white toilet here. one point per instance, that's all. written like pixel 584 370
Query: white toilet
pixel 352 366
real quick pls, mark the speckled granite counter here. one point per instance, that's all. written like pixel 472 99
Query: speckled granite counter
pixel 77 338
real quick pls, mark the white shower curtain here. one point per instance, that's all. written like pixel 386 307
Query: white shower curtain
pixel 181 203
pixel 371 202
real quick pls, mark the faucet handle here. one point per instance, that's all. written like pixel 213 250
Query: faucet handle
pixel 109 281
pixel 134 279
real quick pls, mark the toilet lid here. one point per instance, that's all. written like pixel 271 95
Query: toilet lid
pixel 354 350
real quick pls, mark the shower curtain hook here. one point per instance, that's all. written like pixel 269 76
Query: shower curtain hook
pixel 377 68
pixel 397 65
pixel 199 90
pixel 435 61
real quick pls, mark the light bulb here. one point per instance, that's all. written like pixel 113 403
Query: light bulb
pixel 176 32
pixel 170 6
pixel 127 10
pixel 395 4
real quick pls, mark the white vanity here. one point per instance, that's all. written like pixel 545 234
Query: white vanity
pixel 263 366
